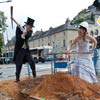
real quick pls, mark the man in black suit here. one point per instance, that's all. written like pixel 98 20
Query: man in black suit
pixel 21 52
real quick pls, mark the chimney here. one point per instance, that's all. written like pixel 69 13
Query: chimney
pixel 67 22
pixel 41 30
pixel 50 28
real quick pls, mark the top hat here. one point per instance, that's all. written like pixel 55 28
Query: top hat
pixel 30 22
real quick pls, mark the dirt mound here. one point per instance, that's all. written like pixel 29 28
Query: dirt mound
pixel 59 86
pixel 10 89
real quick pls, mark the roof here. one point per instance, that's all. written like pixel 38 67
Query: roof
pixel 90 21
pixel 55 30
pixel 47 33
pixel 12 41
pixel 97 13
pixel 91 7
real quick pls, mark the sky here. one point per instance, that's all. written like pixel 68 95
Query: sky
pixel 47 13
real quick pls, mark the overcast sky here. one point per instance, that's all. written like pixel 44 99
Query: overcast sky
pixel 46 13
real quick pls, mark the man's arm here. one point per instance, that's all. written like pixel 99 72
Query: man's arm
pixel 19 38
pixel 18 33
pixel 28 35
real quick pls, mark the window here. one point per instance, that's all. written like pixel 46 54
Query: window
pixel 91 33
pixel 64 43
pixel 53 44
pixel 49 44
pixel 64 33
pixel 39 41
pixel 54 36
pixel 48 38
pixel 96 32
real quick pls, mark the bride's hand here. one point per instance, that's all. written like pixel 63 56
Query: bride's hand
pixel 67 56
pixel 91 52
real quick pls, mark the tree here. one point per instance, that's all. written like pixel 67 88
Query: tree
pixel 2 28
pixel 92 16
pixel 1 42
pixel 2 21
pixel 96 3
pixel 81 19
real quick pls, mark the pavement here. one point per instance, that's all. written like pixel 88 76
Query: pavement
pixel 8 70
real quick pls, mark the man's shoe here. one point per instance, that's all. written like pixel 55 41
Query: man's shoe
pixel 17 80
pixel 34 74
pixel 17 77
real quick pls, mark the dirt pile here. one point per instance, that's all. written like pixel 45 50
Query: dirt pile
pixel 10 89
pixel 60 86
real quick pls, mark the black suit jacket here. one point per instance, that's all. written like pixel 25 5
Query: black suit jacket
pixel 20 41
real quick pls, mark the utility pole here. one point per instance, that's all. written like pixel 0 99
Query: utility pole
pixel 7 38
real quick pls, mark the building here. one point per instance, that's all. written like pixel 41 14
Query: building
pixel 60 36
pixel 57 37
pixel 85 14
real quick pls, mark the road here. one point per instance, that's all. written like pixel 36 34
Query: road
pixel 9 70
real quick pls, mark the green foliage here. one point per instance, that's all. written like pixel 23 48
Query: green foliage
pixel 92 16
pixel 79 20
pixel 2 28
pixel 2 21
pixel 1 41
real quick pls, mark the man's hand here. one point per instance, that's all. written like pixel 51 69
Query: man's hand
pixel 23 35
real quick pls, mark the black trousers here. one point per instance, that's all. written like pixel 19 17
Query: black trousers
pixel 24 55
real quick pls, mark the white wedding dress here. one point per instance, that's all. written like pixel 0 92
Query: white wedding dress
pixel 83 66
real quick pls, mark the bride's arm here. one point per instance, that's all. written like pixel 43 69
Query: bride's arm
pixel 73 41
pixel 94 42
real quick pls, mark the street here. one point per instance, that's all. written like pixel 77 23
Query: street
pixel 8 71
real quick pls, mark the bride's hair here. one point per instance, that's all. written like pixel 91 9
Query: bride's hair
pixel 84 36
pixel 83 28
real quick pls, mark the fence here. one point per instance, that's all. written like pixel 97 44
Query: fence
pixel 60 62
pixel 9 71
